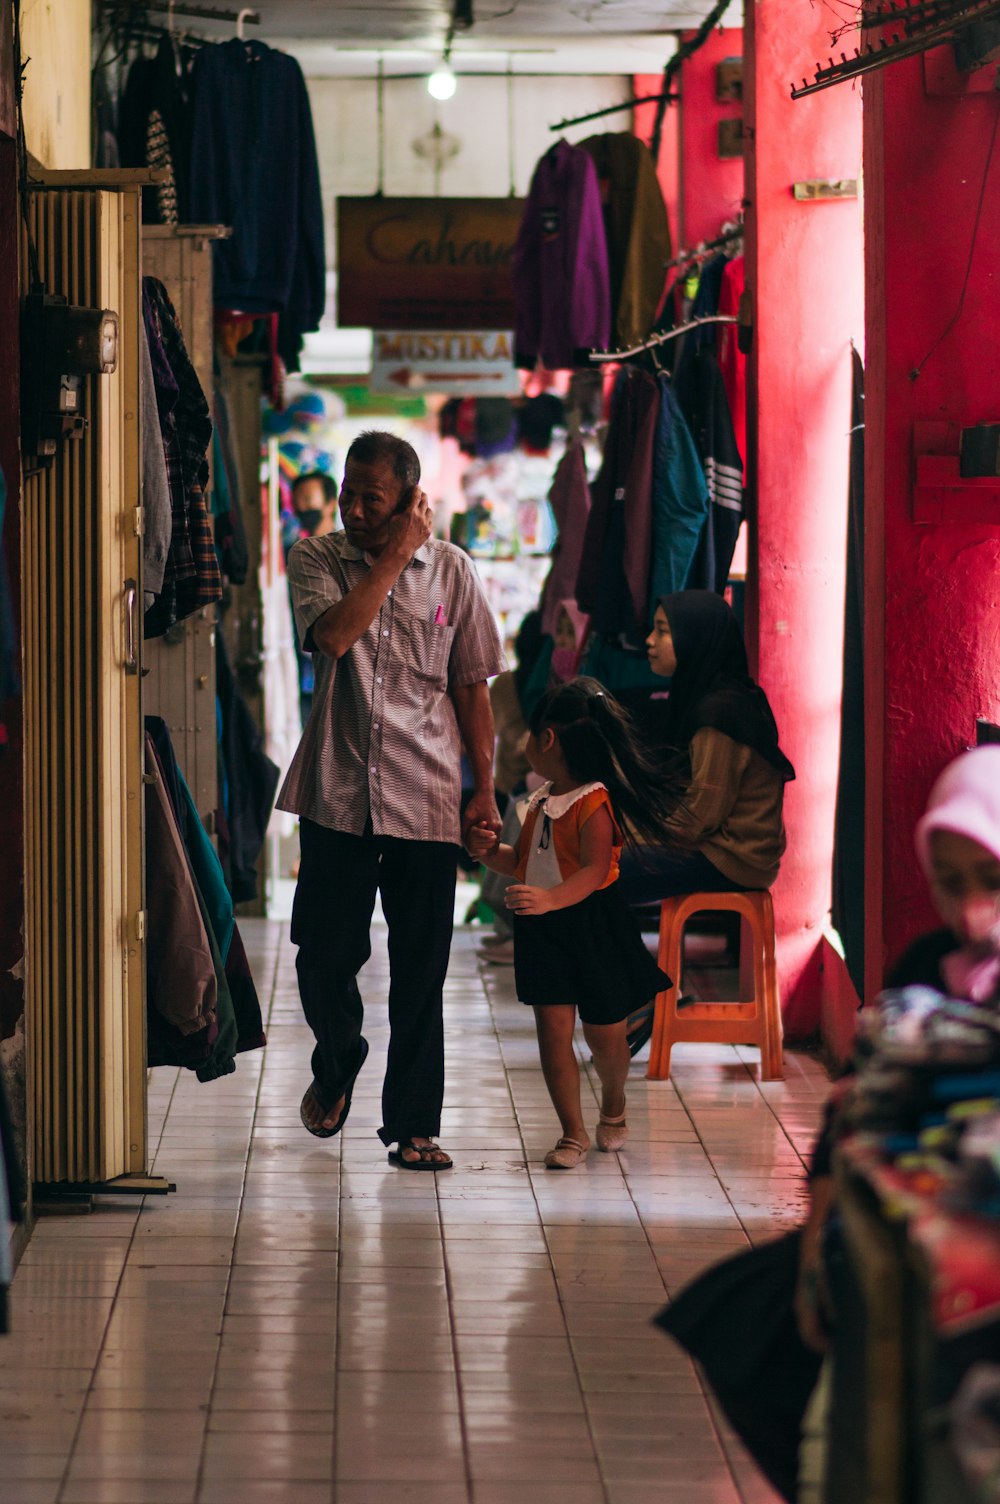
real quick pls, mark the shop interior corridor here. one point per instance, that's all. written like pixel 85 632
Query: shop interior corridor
pixel 303 1324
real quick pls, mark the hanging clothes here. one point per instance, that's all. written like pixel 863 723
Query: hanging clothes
pixel 249 777
pixel 624 669
pixel 680 498
pixel 636 228
pixel 191 575
pixel 179 565
pixel 569 498
pixel 254 167
pixel 230 534
pixel 230 529
pixel 613 580
pixel 701 394
pixel 246 1004
pixel 180 976
pixel 495 427
pixel 104 121
pixel 732 361
pixel 559 267
pixel 234 1024
pixel 706 302
pixel 154 128
pixel 849 821
pixel 12 1197
pixel 536 420
pixel 156 514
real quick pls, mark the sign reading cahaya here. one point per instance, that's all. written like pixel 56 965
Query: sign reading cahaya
pixel 426 263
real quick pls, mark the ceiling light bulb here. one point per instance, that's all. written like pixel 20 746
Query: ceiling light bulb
pixel 441 83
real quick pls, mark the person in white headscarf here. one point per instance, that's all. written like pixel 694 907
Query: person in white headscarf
pixel 958 846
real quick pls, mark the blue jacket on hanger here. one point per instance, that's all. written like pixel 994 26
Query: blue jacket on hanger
pixel 680 498
pixel 254 167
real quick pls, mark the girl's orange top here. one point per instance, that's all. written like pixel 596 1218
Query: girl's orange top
pixel 548 848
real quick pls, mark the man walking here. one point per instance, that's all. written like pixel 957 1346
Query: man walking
pixel 403 643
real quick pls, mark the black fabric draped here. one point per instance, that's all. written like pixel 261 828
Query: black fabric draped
pixel 849 825
pixel 712 684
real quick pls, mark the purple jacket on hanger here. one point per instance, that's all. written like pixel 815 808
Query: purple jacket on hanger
pixel 560 263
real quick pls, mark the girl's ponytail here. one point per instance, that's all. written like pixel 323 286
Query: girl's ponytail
pixel 600 743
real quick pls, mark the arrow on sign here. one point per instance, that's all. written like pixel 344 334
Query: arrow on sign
pixel 405 377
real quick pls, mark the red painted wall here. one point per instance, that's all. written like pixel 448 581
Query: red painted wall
pixel 804 270
pixel 932 592
pixel 702 189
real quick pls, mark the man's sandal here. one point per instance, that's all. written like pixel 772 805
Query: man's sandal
pixel 316 1129
pixel 612 1133
pixel 396 1156
pixel 566 1155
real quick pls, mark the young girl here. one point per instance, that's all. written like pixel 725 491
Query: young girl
pixel 577 948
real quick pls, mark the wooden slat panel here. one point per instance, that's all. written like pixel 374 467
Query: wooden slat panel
pixel 83 740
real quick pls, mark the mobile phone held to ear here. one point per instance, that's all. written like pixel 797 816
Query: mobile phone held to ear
pixel 408 499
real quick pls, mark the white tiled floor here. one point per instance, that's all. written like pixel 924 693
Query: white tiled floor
pixel 303 1324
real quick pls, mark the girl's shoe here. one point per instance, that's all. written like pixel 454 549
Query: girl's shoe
pixel 501 954
pixel 612 1133
pixel 566 1155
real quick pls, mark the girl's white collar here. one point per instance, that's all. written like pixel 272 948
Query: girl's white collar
pixel 556 805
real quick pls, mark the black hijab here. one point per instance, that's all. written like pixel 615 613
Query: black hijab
pixel 712 684
pixel 528 646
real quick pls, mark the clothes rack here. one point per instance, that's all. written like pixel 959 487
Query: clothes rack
pixel 612 109
pixel 154 34
pixel 599 357
pixel 706 248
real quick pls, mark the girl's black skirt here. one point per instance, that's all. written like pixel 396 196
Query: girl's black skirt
pixel 591 955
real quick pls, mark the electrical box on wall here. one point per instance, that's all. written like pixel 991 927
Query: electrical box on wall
pixel 729 80
pixel 731 137
pixel 60 344
pixel 953 481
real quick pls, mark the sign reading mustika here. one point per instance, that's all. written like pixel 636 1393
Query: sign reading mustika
pixel 459 363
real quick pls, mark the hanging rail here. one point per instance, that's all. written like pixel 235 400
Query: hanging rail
pixel 612 109
pixel 916 17
pixel 705 248
pixel 599 357
pixel 872 57
pixel 148 32
pixel 203 12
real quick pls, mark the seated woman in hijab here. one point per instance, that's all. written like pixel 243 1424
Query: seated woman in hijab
pixel 732 835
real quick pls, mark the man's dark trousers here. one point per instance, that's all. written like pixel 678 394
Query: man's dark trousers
pixel 339 877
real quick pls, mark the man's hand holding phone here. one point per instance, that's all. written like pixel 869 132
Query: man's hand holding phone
pixel 411 526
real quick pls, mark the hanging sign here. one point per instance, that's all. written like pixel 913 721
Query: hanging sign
pixel 467 363
pixel 426 263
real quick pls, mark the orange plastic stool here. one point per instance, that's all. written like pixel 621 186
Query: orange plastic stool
pixel 755 1022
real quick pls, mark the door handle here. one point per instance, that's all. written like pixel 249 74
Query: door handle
pixel 131 627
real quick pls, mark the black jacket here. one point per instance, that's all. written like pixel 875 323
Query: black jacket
pixel 254 167
pixel 701 393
